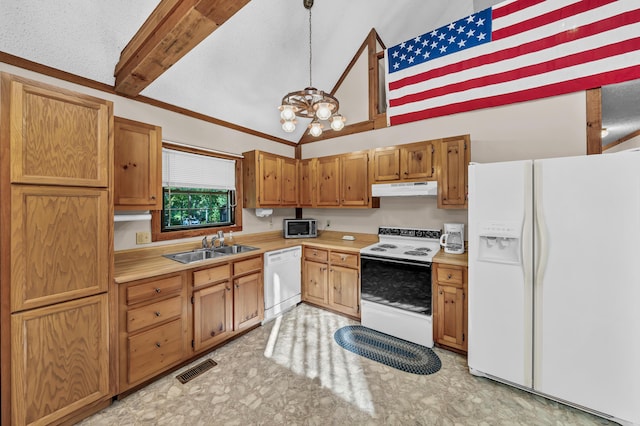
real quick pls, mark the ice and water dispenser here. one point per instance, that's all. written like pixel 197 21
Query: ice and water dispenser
pixel 500 242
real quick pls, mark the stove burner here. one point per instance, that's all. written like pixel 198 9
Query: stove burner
pixel 415 253
pixel 427 249
pixel 378 249
pixel 387 246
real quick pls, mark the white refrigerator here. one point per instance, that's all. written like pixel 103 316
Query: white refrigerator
pixel 554 279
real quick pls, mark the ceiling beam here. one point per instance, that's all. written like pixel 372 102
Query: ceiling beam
pixel 171 31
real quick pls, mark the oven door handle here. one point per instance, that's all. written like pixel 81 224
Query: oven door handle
pixel 386 259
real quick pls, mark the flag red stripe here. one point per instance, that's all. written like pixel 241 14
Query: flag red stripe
pixel 579 84
pixel 606 24
pixel 540 68
pixel 549 17
pixel 510 8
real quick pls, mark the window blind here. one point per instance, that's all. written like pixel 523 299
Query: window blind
pixel 186 170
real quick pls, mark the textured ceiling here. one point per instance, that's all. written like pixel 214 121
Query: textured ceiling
pixel 241 71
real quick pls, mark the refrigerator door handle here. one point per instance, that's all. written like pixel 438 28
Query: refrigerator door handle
pixel 527 271
pixel 541 253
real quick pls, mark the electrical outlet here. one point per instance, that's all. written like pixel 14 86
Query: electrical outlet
pixel 328 223
pixel 143 237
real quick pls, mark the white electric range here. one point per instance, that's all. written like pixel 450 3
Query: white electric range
pixel 396 283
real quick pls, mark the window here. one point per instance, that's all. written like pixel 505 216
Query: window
pixel 185 208
pixel 199 194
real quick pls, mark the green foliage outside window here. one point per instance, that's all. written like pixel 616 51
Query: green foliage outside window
pixel 185 208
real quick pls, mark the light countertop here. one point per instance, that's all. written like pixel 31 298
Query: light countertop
pixel 136 264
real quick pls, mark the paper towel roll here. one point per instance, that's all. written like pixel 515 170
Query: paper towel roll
pixel 264 212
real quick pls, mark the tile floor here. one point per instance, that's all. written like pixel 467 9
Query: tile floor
pixel 291 372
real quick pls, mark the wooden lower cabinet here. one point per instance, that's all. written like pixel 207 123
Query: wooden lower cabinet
pixel 167 320
pixel 331 279
pixel 450 306
pixel 60 360
pixel 227 299
pixel 344 286
pixel 248 301
pixel 316 282
pixel 212 315
pixel 153 327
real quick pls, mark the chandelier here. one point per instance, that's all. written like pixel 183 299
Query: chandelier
pixel 310 102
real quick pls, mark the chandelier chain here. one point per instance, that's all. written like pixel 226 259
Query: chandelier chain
pixel 310 50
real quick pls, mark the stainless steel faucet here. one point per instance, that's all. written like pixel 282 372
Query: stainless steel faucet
pixel 221 238
pixel 205 244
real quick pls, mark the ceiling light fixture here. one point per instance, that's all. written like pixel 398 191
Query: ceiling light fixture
pixel 310 102
pixel 604 132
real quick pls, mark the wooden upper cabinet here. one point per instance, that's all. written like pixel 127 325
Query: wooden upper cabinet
pixel 413 161
pixel 58 137
pixel 306 182
pixel 455 154
pixel 138 165
pixel 289 169
pixel 59 244
pixel 386 164
pixel 416 160
pixel 354 188
pixel 328 181
pixel 269 180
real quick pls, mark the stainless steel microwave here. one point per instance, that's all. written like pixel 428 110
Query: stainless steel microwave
pixel 299 228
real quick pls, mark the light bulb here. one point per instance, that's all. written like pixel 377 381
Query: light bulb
pixel 604 132
pixel 288 126
pixel 287 113
pixel 323 111
pixel 337 122
pixel 315 129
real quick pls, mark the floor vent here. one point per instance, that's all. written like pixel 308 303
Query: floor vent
pixel 194 372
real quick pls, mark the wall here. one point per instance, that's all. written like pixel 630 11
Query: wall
pixel 182 129
pixel 552 127
pixel 545 128
pixel 629 144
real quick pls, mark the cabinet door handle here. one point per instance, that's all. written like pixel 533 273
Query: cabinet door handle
pixel 228 288
pixel 158 344
pixel 449 276
pixel 153 197
pixel 237 286
pixel 157 313
pixel 343 258
pixel 158 290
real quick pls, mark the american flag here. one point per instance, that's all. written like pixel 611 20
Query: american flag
pixel 518 50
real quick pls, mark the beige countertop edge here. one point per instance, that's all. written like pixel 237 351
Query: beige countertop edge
pixel 137 264
pixel 451 259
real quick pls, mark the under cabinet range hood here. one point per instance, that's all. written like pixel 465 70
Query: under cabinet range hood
pixel 404 189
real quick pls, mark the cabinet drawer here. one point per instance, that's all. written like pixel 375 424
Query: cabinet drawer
pixel 318 255
pixel 211 275
pixel 349 260
pixel 153 313
pixel 253 264
pixel 154 350
pixel 154 289
pixel 449 275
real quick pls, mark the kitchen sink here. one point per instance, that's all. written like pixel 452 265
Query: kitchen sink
pixel 233 249
pixel 204 254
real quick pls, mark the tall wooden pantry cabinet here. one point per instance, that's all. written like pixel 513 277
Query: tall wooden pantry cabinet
pixel 56 246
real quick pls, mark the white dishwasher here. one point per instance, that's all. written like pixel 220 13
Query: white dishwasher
pixel 282 281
